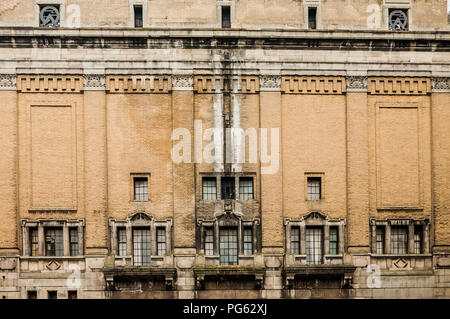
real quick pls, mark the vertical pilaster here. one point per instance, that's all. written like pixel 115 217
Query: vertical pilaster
pixel 357 165
pixel 66 246
pixel 95 161
pixel 9 227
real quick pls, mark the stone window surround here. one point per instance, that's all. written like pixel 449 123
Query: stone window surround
pixel 225 3
pixel 234 221
pixel 316 219
pixel 132 190
pixel 129 223
pixel 312 4
pixel 392 4
pixel 41 224
pixel 62 10
pixel 410 223
pixel 144 4
pixel 236 176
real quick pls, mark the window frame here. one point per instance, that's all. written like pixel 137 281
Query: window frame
pixel 242 188
pixel 206 179
pixel 314 175
pixel 223 181
pixel 133 178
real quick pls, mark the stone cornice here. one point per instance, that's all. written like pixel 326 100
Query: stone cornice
pixel 313 85
pixel 399 86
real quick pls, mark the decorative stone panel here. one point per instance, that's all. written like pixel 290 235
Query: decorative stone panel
pixel 441 84
pixel 182 82
pixel 270 83
pixel 49 84
pixel 94 82
pixel 7 82
pixel 313 85
pixel 138 84
pixel 356 83
pixel 396 86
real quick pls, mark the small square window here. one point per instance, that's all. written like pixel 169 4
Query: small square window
pixel 314 188
pixel 209 188
pixel 226 17
pixel 246 188
pixel 398 19
pixel 72 294
pixel 140 188
pixel 52 294
pixel 49 15
pixel 138 20
pixel 32 294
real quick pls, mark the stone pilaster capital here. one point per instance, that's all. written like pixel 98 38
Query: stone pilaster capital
pixel 94 82
pixel 8 82
pixel 356 83
pixel 270 83
pixel 182 82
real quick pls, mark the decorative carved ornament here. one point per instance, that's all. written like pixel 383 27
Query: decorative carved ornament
pixel 182 82
pixel 49 83
pixel 397 86
pixel 441 84
pixel 313 85
pixel 8 82
pixel 356 83
pixel 94 82
pixel 138 84
pixel 270 83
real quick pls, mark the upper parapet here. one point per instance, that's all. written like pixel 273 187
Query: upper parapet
pixel 400 15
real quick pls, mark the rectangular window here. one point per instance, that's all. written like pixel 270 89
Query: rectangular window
pixel 34 242
pixel 248 241
pixel 141 188
pixel 209 188
pixel 52 294
pixel 122 241
pixel 73 235
pixel 209 242
pixel 228 246
pixel 246 188
pixel 334 241
pixel 314 240
pixel 312 18
pixel 228 190
pixel 141 246
pixel 295 240
pixel 32 294
pixel 161 241
pixel 72 294
pixel 418 236
pixel 399 240
pixel 380 240
pixel 138 21
pixel 226 17
pixel 54 242
pixel 314 188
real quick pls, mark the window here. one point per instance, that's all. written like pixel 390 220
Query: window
pixel 141 246
pixel 140 188
pixel 32 294
pixel 138 22
pixel 54 242
pixel 121 241
pixel 209 242
pixel 399 240
pixel 334 241
pixel 209 188
pixel 228 246
pixel 34 242
pixel 226 17
pixel 72 294
pixel 246 188
pixel 73 234
pixel 295 240
pixel 380 240
pixel 312 13
pixel 52 294
pixel 314 188
pixel 248 241
pixel 418 235
pixel 160 241
pixel 398 19
pixel 228 189
pixel 49 16
pixel 314 245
